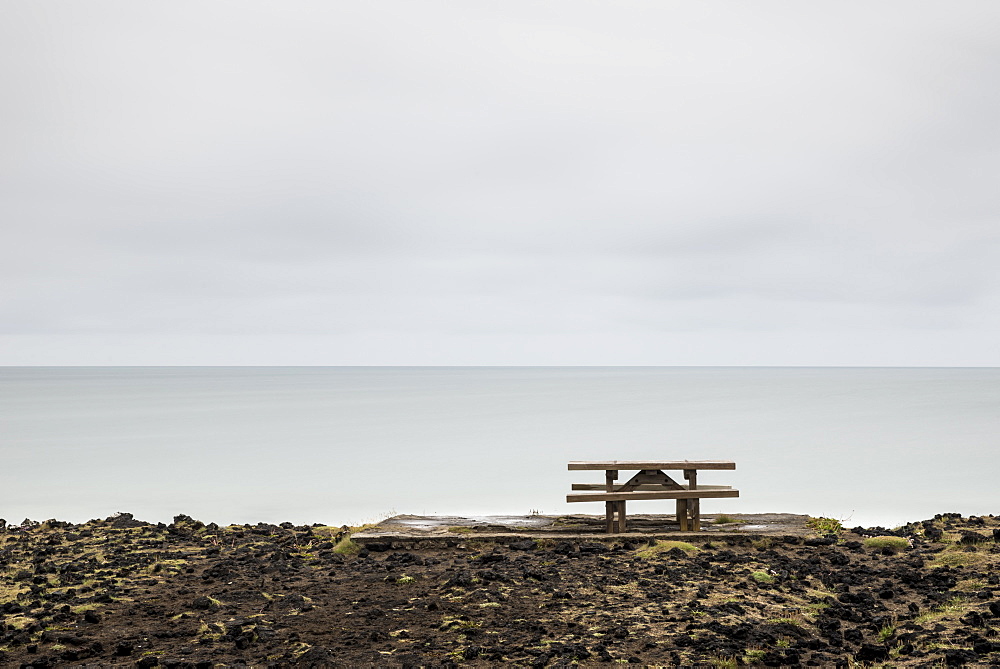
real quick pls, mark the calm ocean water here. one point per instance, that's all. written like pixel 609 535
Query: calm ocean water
pixel 348 444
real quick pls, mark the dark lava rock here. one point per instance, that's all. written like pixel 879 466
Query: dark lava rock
pixel 293 601
pixel 871 653
pixel 525 545
pixel 378 546
pixel 462 579
pixel 124 521
pixel 488 558
pixel 820 541
pixel 202 603
pixel 933 533
pixel 970 537
pixel 957 657
pixel 124 648
pixel 91 616
pixel 973 619
pixel 564 547
pixel 317 656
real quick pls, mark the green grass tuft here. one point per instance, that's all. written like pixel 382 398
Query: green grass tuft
pixel 347 547
pixel 663 547
pixel 894 544
pixel 825 526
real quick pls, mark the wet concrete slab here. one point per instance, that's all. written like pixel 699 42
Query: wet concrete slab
pixel 415 531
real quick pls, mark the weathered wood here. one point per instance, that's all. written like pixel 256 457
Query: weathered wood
pixel 580 465
pixel 693 505
pixel 649 477
pixel 602 486
pixel 649 494
pixel 650 482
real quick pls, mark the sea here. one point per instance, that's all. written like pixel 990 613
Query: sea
pixel 348 445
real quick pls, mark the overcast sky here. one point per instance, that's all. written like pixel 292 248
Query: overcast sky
pixel 562 182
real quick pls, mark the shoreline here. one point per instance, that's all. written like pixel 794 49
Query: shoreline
pixel 122 592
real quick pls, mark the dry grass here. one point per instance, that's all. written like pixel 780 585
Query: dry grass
pixel 957 556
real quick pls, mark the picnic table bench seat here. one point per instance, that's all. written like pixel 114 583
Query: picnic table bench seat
pixel 651 482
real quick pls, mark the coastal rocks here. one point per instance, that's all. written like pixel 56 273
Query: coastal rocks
pixel 278 595
pixel 122 520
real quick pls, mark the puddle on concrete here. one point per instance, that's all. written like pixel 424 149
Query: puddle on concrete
pixel 434 522
pixel 415 527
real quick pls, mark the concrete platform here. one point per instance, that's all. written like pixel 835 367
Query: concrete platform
pixel 426 531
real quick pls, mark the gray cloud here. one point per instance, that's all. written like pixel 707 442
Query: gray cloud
pixel 577 178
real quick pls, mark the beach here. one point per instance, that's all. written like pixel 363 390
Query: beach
pixel 123 592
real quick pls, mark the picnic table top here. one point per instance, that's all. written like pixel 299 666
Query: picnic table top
pixel 651 464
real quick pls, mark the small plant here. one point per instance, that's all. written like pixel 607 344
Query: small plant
pixel 762 576
pixel 783 643
pixel 886 633
pixel 346 547
pixel 825 526
pixel 785 621
pixel 724 662
pixel 889 544
pixel 753 656
pixel 405 580
pixel 954 605
pixel 723 519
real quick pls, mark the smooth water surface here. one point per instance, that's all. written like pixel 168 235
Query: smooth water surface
pixel 347 444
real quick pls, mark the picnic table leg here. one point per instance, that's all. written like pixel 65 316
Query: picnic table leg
pixel 621 516
pixel 610 507
pixel 694 505
pixel 682 514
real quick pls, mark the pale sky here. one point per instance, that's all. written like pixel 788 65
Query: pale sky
pixel 508 182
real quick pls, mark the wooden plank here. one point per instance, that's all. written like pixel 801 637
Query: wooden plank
pixel 648 477
pixel 621 515
pixel 580 465
pixel 664 494
pixel 649 486
pixel 609 517
pixel 682 515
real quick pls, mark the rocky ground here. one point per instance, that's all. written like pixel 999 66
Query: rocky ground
pixel 120 592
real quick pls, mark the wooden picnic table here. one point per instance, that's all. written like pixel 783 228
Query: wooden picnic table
pixel 651 482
